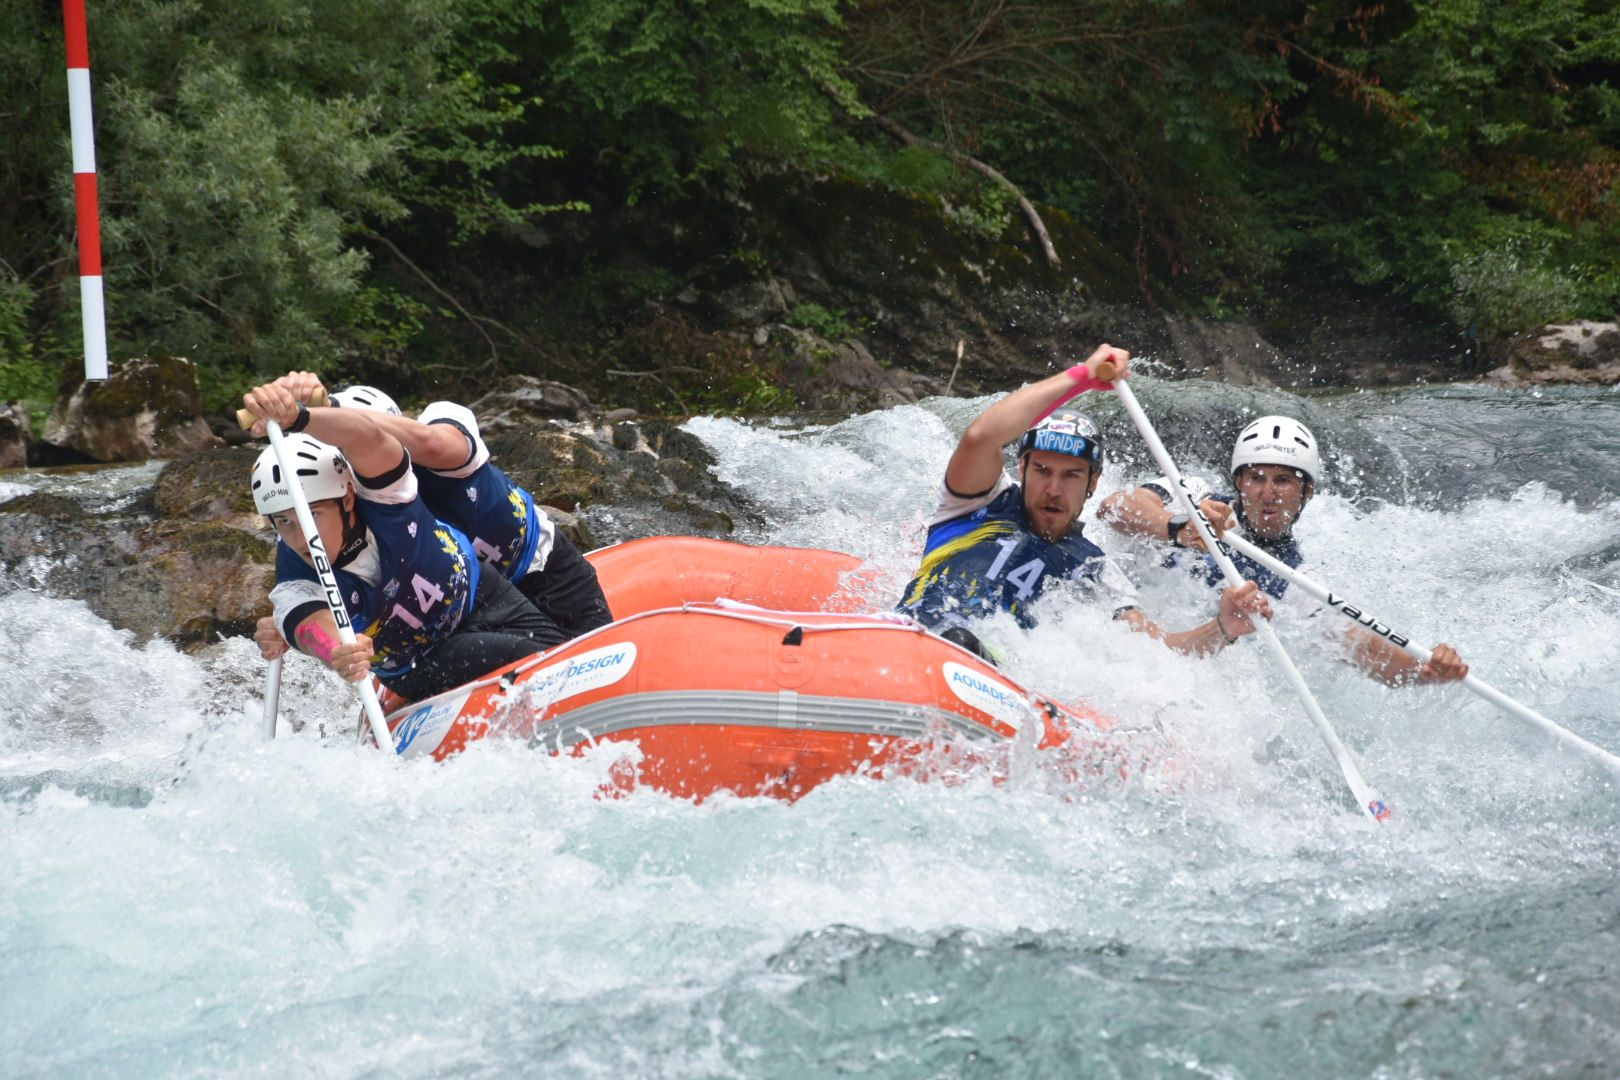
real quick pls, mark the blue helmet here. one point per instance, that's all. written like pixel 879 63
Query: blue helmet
pixel 1065 433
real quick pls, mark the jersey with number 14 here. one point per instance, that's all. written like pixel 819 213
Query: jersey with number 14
pixel 482 501
pixel 981 557
pixel 407 589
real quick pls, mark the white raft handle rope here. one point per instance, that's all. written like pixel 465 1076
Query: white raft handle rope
pixel 1362 617
pixel 1368 799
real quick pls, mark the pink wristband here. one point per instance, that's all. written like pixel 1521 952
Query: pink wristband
pixel 1083 381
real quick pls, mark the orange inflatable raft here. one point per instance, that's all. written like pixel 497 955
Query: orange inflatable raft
pixel 748 670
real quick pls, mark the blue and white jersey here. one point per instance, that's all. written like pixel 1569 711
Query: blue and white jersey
pixel 479 499
pixel 1285 549
pixel 409 586
pixel 982 557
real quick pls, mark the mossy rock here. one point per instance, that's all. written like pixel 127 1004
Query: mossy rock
pixel 166 385
pixel 208 485
pixel 45 505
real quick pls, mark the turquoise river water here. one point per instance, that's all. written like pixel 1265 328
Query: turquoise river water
pixel 181 899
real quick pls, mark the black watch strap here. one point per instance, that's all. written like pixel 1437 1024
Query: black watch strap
pixel 1173 529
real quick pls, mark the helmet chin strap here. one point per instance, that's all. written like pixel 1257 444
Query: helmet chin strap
pixel 354 538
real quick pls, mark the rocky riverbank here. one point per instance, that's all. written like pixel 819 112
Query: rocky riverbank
pixel 187 558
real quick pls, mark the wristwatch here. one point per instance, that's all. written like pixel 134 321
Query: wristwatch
pixel 1173 530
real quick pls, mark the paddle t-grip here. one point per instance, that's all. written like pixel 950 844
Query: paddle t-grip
pixel 1106 370
pixel 245 419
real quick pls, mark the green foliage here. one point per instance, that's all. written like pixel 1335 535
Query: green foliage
pixel 25 374
pixel 15 298
pixel 1135 118
pixel 679 93
pixel 1522 283
pixel 1479 180
pixel 1461 154
pixel 602 292
pixel 830 323
pixel 246 147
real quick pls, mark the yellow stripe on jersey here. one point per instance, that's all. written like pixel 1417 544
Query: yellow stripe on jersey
pixel 933 562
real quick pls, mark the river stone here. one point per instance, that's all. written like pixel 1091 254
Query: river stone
pixel 570 526
pixel 663 484
pixel 845 377
pixel 211 485
pixel 149 407
pixel 523 401
pixel 14 432
pixel 191 560
pixel 185 577
pixel 1584 353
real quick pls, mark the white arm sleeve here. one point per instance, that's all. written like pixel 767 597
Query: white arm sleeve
pixel 951 505
pixel 288 596
pixel 396 489
pixel 448 412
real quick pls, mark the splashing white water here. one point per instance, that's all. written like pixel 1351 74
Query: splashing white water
pixel 179 898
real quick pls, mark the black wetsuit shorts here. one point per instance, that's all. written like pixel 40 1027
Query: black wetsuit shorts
pixel 567 591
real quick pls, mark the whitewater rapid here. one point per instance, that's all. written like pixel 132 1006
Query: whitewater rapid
pixel 180 898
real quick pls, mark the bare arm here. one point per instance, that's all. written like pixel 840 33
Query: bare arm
pixel 317 635
pixel 976 462
pixel 1395 667
pixel 371 450
pixel 1235 619
pixel 1141 512
pixel 432 446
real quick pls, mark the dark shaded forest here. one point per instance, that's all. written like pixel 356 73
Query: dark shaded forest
pixel 435 192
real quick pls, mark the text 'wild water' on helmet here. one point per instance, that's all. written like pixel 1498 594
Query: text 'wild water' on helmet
pixel 1278 440
pixel 365 397
pixel 1068 433
pixel 321 469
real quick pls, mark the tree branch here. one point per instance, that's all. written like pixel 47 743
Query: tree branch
pixel 1030 213
pixel 494 353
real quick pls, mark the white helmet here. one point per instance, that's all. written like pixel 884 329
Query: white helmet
pixel 322 470
pixel 364 397
pixel 1278 440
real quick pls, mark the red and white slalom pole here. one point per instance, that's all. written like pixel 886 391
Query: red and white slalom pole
pixel 91 299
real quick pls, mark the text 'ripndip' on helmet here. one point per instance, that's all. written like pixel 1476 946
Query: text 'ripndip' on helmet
pixel 365 397
pixel 1068 433
pixel 1278 440
pixel 321 469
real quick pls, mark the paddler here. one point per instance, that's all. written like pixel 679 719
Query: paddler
pixel 427 616
pixel 462 486
pixel 1275 466
pixel 997 544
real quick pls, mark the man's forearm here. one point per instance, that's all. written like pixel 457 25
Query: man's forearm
pixel 1138 512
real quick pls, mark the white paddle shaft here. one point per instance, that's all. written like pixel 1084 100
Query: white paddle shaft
pixel 272 697
pixel 1364 618
pixel 1369 801
pixel 334 598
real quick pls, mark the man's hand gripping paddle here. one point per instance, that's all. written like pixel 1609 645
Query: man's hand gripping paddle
pixel 334 598
pixel 1369 801
pixel 1362 617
